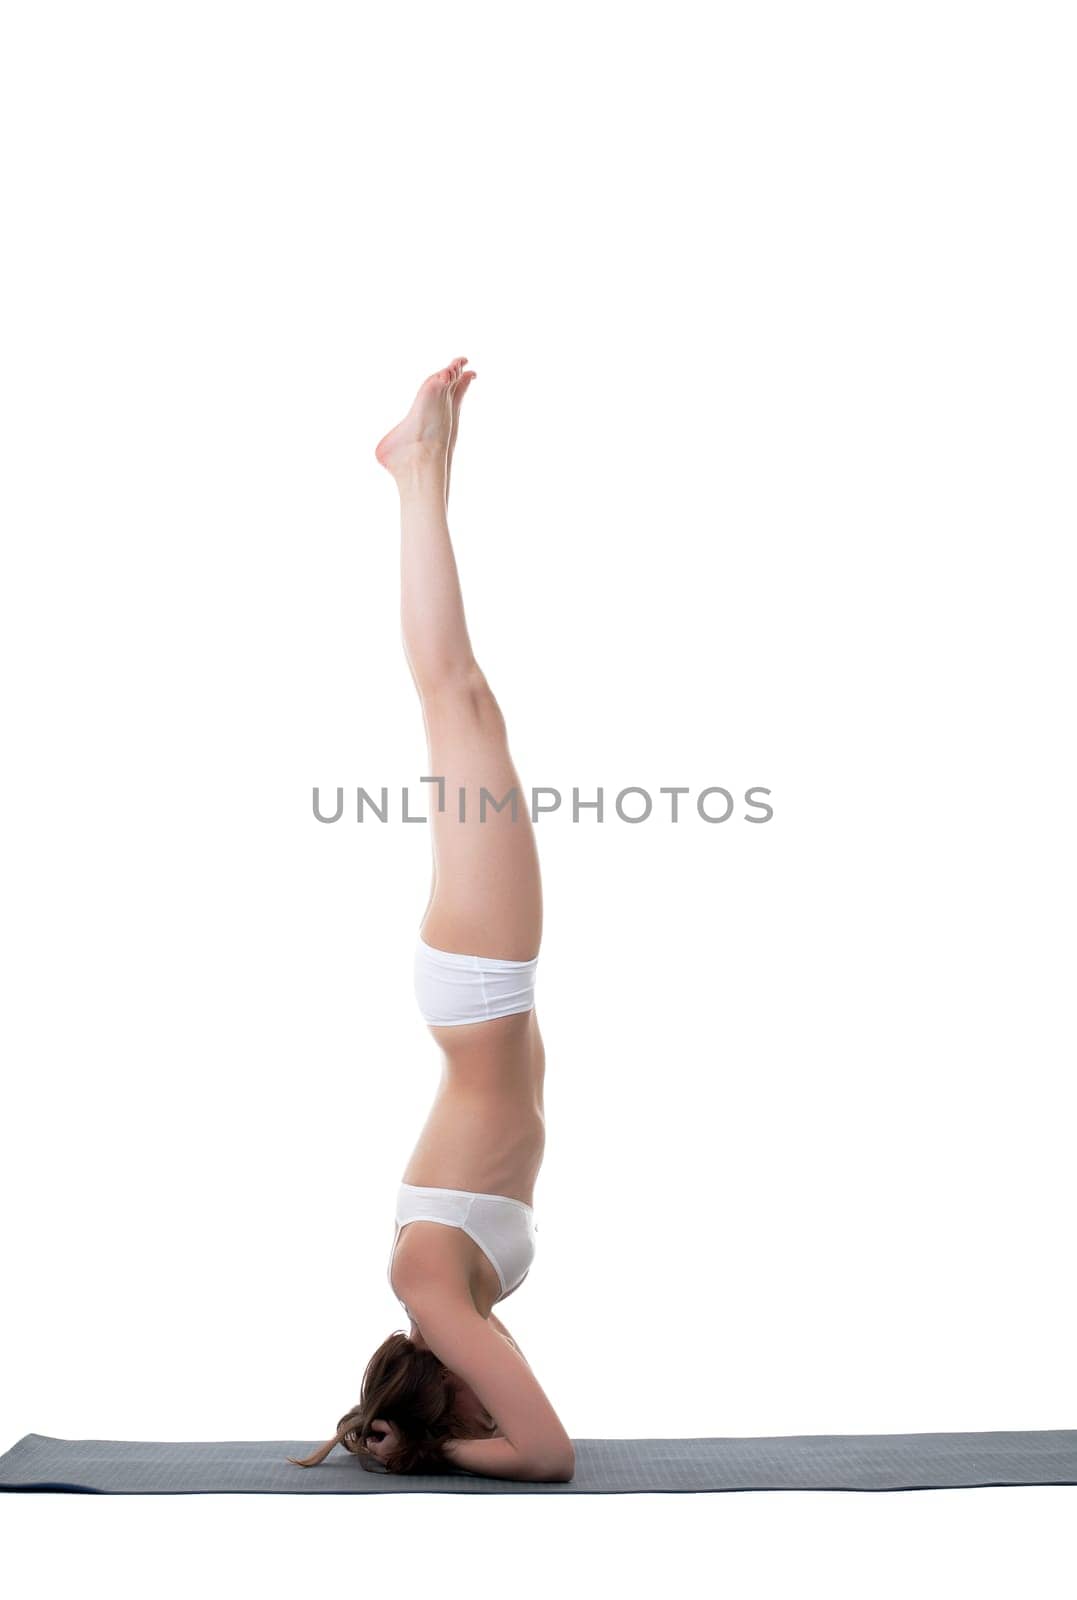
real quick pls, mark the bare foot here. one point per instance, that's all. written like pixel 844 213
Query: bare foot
pixel 458 395
pixel 424 435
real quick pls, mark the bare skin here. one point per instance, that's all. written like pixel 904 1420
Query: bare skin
pixel 485 1131
pixel 422 432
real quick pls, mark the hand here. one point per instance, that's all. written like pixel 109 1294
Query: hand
pixel 384 1439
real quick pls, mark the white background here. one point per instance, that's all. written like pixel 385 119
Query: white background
pixel 765 479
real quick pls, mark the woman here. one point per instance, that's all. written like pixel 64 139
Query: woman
pixel 456 1392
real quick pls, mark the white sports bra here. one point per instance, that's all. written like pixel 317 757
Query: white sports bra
pixel 503 1228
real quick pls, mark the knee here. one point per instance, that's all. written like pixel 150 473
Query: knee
pixel 464 692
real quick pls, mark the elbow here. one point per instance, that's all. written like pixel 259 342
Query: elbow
pixel 558 1467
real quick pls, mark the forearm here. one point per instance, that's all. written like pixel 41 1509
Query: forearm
pixel 499 1458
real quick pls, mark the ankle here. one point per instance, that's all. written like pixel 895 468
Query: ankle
pixel 420 470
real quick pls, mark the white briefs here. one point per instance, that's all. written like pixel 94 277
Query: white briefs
pixel 453 989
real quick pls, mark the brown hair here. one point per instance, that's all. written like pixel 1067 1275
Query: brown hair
pixel 412 1389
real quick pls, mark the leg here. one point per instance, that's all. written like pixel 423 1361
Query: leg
pixel 486 897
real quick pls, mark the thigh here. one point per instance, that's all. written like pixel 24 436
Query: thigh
pixel 487 896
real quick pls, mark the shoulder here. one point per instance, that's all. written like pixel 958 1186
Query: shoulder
pixel 442 1305
pixel 427 1252
pixel 446 1260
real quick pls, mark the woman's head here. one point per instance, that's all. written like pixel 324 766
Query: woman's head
pixel 404 1385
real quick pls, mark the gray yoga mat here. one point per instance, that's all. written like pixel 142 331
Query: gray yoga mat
pixel 868 1461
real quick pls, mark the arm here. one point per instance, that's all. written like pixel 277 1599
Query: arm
pixel 499 1458
pixel 534 1445
pixel 505 1334
pixel 493 1458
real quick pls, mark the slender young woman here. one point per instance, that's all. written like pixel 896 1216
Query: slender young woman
pixel 456 1392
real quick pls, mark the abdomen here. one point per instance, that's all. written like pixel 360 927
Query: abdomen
pixel 486 1130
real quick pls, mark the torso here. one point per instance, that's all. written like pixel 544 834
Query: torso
pixel 485 1133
